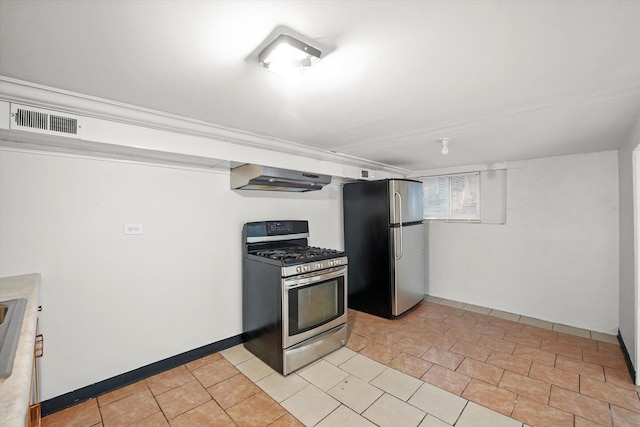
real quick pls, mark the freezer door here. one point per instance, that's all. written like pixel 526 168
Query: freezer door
pixel 405 202
pixel 410 266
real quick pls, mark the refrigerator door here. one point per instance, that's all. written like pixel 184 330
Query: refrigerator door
pixel 405 204
pixel 409 267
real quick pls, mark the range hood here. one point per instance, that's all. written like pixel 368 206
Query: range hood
pixel 256 177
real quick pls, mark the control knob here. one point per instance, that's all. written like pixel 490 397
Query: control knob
pixel 302 269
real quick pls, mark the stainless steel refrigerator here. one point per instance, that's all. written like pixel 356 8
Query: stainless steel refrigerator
pixel 384 239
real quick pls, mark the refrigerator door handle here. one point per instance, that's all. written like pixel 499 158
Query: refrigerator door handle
pixel 399 254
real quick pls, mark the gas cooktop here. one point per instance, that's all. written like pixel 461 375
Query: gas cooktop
pixel 285 244
pixel 307 253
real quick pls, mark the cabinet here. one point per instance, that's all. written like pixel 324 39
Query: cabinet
pixel 34 414
pixel 19 391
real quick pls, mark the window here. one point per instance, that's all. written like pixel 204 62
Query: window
pixel 452 197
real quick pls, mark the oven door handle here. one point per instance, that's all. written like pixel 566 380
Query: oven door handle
pixel 293 282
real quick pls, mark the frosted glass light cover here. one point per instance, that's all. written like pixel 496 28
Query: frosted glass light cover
pixel 287 56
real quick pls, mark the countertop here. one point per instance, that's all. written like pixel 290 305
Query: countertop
pixel 14 391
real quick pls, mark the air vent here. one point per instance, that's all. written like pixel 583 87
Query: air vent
pixel 32 119
pixel 63 124
pixel 43 121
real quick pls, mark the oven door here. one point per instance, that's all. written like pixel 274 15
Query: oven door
pixel 313 303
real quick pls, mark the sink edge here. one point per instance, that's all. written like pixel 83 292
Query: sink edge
pixel 11 329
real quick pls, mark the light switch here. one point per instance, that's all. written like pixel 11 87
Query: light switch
pixel 133 229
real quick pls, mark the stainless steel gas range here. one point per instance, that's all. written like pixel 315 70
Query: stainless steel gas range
pixel 294 296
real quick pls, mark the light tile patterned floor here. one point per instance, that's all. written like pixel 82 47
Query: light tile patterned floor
pixel 444 363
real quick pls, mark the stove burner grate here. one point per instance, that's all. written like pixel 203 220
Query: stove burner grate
pixel 296 253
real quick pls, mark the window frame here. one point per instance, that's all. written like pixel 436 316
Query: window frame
pixel 475 218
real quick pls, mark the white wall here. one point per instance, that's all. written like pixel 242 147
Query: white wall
pixel 115 302
pixel 629 326
pixel 556 258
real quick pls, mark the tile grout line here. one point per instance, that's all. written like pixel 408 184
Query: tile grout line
pixel 467 400
pixel 517 321
pixel 461 412
pixel 407 401
pixel 554 365
pixel 384 392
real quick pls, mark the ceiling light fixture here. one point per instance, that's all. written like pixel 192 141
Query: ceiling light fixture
pixel 445 147
pixel 288 56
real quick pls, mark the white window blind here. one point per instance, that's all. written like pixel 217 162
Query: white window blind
pixel 452 197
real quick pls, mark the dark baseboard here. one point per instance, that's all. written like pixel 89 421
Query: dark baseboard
pixel 627 359
pixel 94 390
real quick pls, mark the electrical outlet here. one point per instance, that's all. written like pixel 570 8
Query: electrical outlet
pixel 133 229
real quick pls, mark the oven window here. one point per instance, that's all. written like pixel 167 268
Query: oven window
pixel 314 305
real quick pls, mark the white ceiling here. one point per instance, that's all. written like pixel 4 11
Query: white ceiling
pixel 507 80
